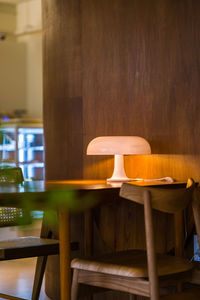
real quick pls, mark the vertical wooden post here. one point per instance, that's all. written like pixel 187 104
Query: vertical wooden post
pixel 65 271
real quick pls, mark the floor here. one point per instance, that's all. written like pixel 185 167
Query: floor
pixel 16 278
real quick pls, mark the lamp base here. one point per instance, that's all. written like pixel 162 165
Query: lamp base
pixel 119 174
pixel 118 179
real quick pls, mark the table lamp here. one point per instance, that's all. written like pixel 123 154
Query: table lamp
pixel 118 146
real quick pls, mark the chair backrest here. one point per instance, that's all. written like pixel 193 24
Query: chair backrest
pixel 11 175
pixel 170 200
pixel 10 216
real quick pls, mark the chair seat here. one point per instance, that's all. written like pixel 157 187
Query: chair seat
pixel 132 263
pixel 28 247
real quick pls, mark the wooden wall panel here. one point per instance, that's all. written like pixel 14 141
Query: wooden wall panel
pixel 141 57
pixel 62 89
pixel 122 67
pixel 140 77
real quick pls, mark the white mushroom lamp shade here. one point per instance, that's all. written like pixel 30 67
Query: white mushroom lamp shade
pixel 118 146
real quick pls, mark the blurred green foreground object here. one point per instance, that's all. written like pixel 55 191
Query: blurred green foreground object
pixel 27 199
pixel 11 175
pixel 10 216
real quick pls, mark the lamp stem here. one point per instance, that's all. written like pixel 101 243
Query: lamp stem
pixel 119 172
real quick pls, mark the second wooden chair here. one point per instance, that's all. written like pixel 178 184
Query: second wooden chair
pixel 140 272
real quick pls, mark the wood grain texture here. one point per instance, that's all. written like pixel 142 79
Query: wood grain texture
pixel 172 199
pixel 62 89
pixel 114 282
pixel 150 242
pixel 122 68
pixel 132 264
pixel 133 67
pixel 103 271
pixel 64 237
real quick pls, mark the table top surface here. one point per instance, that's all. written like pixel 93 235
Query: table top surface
pixel 41 186
pixel 13 195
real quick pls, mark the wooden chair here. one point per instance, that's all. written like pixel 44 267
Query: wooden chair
pixel 11 216
pixel 139 272
pixel 24 247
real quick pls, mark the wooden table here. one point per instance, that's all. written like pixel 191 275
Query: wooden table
pixel 12 195
pixel 94 186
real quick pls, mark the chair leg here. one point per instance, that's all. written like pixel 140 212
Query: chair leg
pixel 39 274
pixel 75 284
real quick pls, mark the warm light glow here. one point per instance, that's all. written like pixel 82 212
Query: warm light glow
pixel 111 145
pixel 118 146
